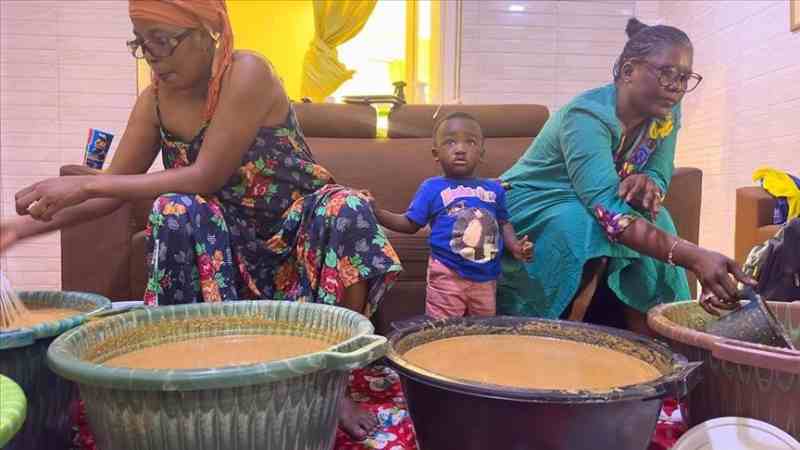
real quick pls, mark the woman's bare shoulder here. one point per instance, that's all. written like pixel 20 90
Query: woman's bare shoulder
pixel 251 78
pixel 146 106
pixel 252 66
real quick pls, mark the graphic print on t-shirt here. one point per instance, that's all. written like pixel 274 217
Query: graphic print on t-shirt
pixel 475 233
pixel 465 217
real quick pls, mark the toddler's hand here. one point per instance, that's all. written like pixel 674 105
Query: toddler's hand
pixel 367 195
pixel 523 251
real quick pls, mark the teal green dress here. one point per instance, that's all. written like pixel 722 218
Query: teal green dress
pixel 563 195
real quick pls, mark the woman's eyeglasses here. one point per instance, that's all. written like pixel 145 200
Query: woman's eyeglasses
pixel 670 76
pixel 159 47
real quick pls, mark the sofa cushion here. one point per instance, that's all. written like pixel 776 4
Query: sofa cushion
pixel 416 121
pixel 334 120
pixel 138 264
pixel 413 251
pixel 393 169
pixel 406 299
pixel 683 203
pixel 684 199
pixel 140 214
pixel 95 258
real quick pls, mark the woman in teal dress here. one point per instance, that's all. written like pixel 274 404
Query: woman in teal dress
pixel 589 192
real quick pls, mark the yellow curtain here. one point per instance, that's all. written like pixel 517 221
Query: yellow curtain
pixel 335 22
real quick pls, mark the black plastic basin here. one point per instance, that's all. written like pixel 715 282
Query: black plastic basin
pixel 456 414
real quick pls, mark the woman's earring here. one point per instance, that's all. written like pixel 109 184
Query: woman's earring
pixel 212 46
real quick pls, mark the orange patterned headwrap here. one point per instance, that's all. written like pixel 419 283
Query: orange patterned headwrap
pixel 209 14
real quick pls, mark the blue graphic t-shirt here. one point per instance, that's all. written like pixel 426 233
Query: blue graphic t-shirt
pixel 465 216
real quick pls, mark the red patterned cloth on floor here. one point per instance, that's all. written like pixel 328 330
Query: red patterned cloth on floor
pixel 378 389
pixel 83 438
pixel 669 428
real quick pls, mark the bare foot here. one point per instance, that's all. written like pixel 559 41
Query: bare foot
pixel 355 420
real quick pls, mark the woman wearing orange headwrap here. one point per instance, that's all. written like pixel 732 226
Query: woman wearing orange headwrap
pixel 255 213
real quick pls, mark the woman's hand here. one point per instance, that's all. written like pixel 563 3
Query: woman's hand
pixel 712 305
pixel 718 275
pixel 10 233
pixel 45 198
pixel 641 192
pixel 367 195
pixel 522 250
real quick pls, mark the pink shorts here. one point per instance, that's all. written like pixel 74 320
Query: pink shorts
pixel 451 295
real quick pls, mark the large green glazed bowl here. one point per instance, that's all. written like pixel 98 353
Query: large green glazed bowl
pixel 22 358
pixel 13 407
pixel 287 404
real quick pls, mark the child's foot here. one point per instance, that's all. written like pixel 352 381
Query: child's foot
pixel 355 420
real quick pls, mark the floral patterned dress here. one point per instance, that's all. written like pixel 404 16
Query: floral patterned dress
pixel 279 229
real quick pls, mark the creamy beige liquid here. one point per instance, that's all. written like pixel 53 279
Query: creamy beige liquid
pixel 531 362
pixel 37 316
pixel 218 351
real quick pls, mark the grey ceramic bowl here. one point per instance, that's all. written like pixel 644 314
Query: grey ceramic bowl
pixel 285 404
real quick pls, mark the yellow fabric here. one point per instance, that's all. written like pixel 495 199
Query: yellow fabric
pixel 335 22
pixel 412 40
pixel 780 184
pixel 278 29
pixel 291 27
pixel 143 75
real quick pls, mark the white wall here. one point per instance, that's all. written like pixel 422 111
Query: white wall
pixel 745 114
pixel 747 111
pixel 545 52
pixel 64 68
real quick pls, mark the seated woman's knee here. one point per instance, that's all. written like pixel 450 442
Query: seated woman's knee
pixel 174 210
pixel 175 204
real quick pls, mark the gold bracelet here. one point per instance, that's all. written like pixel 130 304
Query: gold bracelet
pixel 671 250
